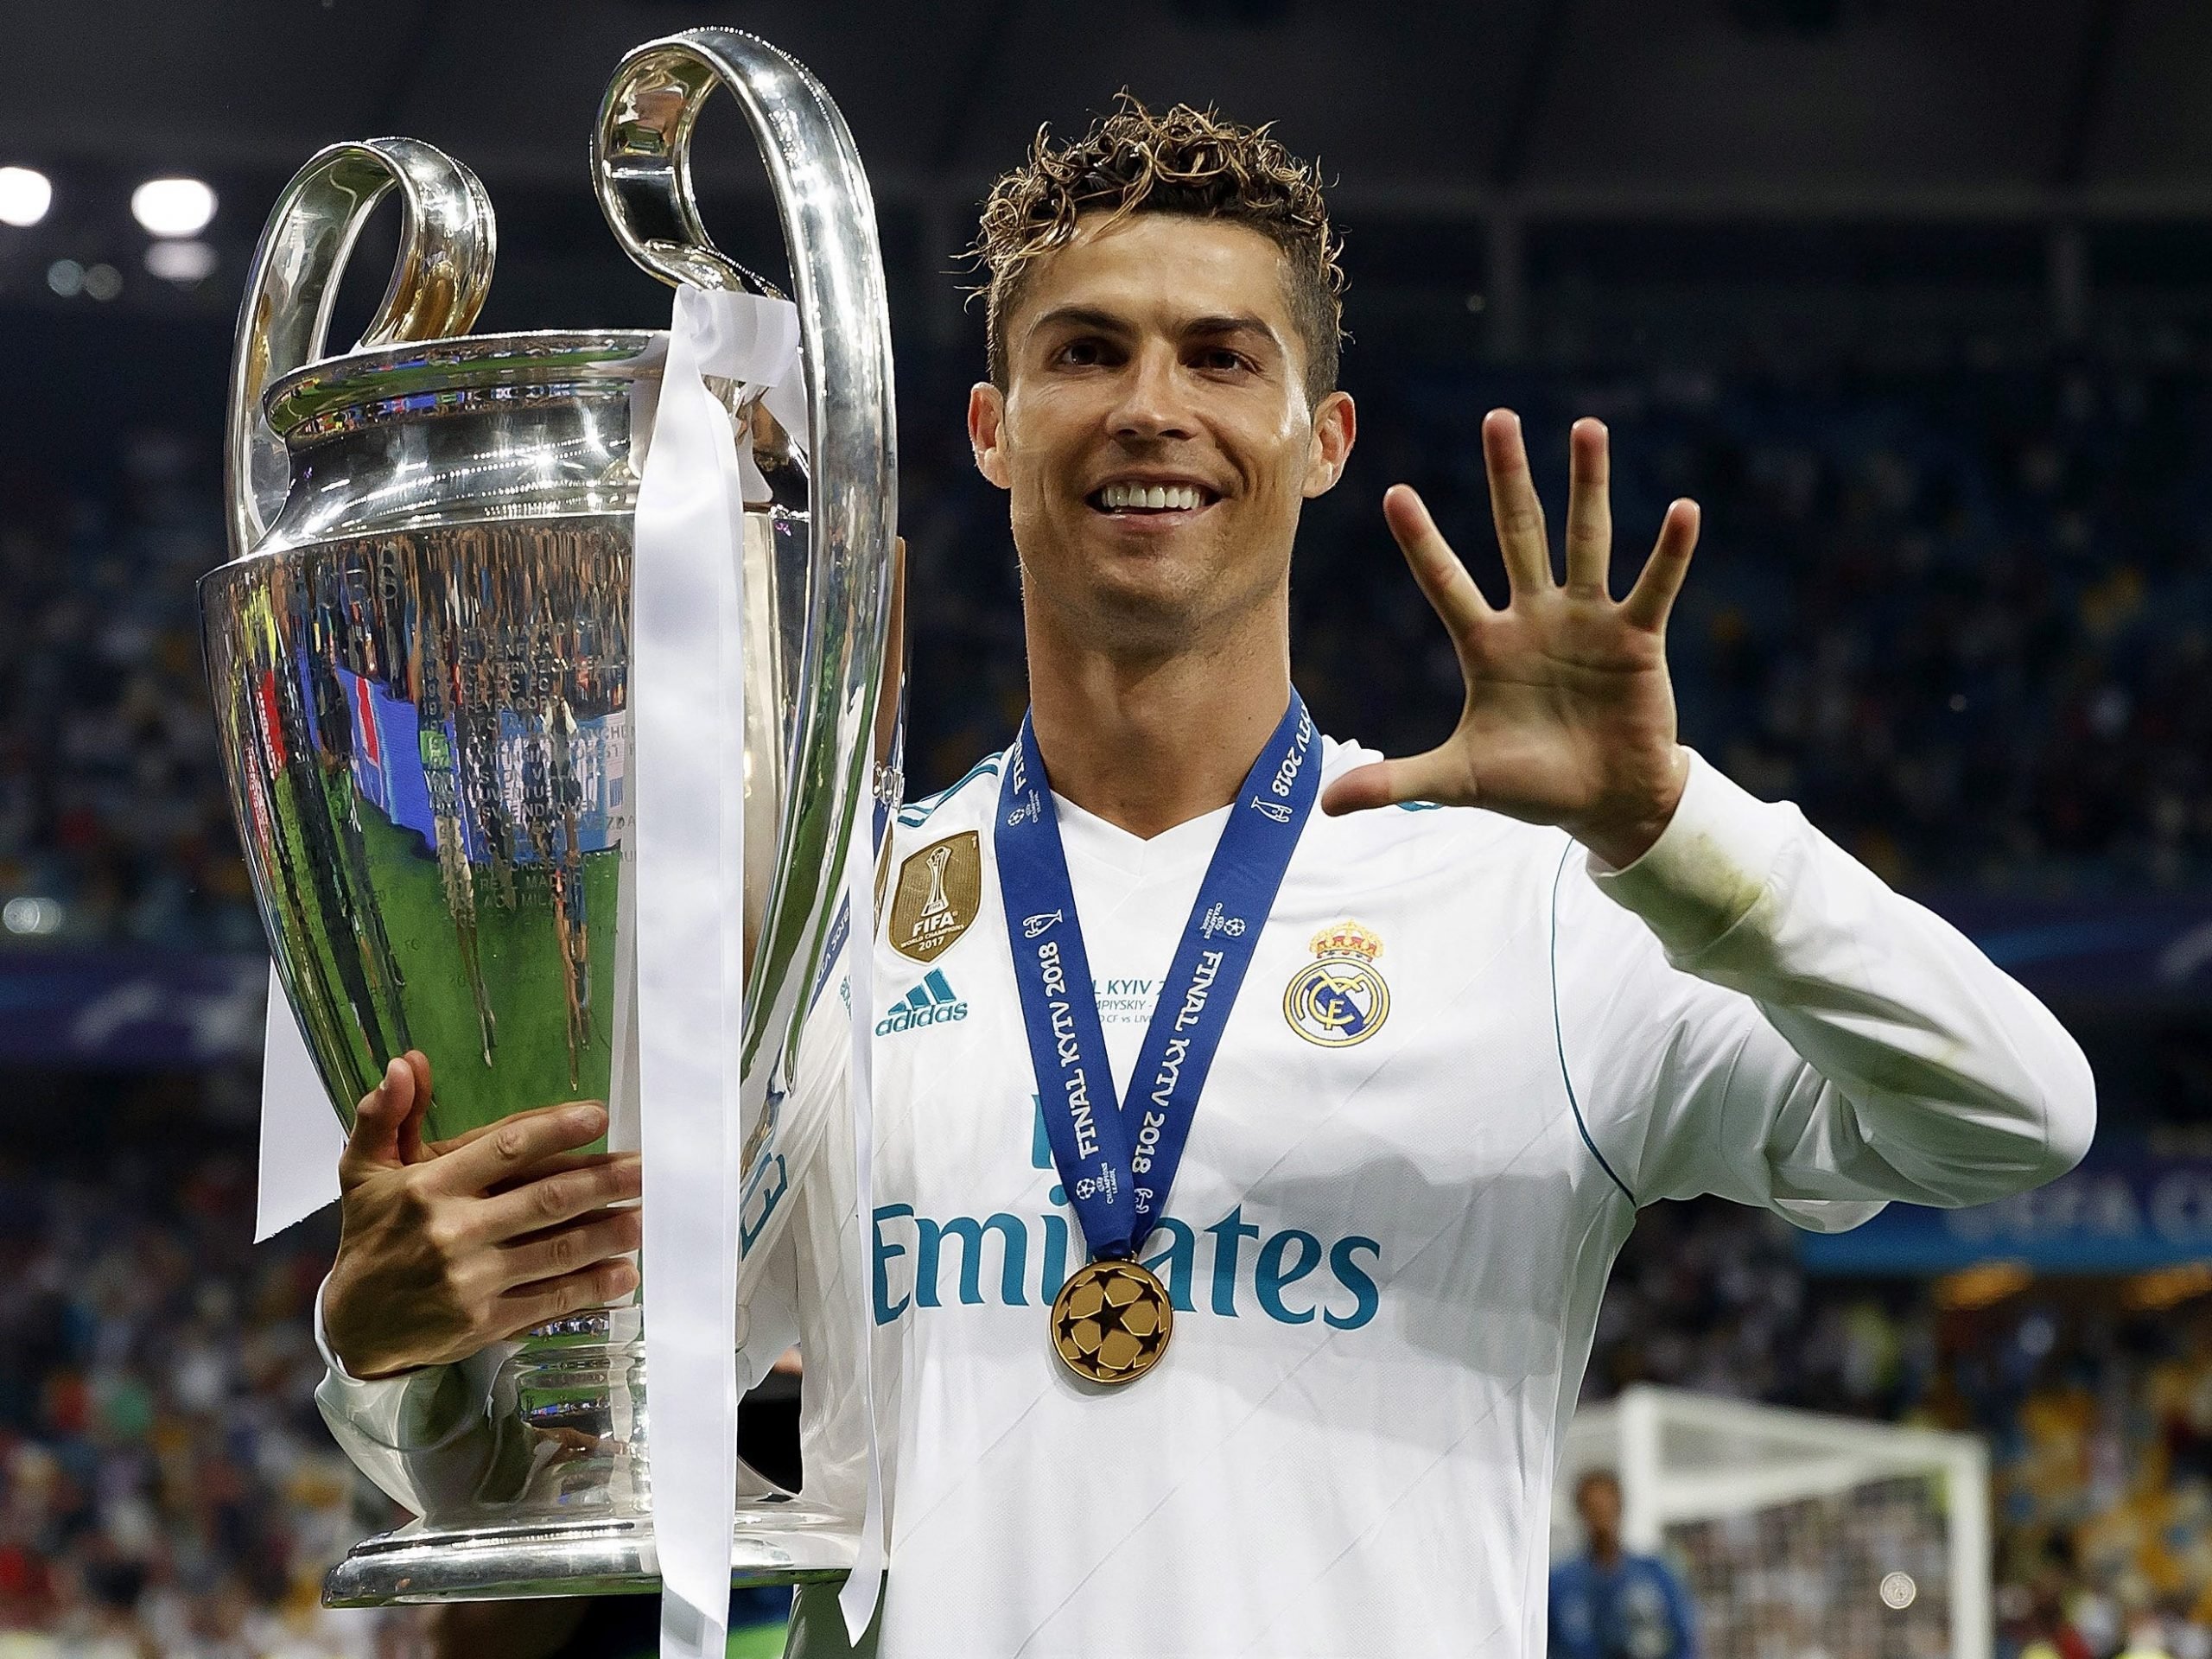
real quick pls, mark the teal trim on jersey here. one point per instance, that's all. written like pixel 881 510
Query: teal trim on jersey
pixel 922 809
pixel 1559 1037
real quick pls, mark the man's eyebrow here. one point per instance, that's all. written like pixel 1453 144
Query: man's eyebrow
pixel 1241 322
pixel 1081 316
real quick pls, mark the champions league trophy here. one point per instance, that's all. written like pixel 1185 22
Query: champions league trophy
pixel 421 657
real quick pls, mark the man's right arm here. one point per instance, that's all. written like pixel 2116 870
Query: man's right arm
pixel 447 1248
pixel 446 1251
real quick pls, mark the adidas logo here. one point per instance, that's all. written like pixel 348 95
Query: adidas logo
pixel 930 1003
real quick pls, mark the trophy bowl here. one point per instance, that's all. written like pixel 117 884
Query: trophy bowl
pixel 420 654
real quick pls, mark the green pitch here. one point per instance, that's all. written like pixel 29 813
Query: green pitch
pixel 518 960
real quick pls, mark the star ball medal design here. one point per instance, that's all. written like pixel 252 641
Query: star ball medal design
pixel 1111 1321
pixel 1338 1000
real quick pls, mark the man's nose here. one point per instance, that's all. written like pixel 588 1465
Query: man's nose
pixel 1152 405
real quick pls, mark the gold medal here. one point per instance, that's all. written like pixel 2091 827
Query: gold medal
pixel 1111 1321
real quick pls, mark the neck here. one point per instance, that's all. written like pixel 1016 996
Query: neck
pixel 1152 741
pixel 1606 1551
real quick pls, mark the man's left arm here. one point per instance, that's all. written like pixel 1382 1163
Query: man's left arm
pixel 1827 1043
pixel 1887 1057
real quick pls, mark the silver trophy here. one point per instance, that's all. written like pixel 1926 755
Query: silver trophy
pixel 419 654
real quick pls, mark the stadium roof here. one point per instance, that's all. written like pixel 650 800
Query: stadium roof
pixel 1555 107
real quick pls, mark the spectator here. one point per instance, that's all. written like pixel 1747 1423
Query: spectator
pixel 1607 1604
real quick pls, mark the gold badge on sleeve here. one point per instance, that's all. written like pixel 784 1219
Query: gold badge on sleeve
pixel 1111 1321
pixel 940 888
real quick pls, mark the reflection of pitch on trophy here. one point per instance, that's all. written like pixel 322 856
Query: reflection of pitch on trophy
pixel 486 756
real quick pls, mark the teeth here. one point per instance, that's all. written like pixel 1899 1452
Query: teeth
pixel 1155 498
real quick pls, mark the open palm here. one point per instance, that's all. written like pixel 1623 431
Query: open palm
pixel 1569 717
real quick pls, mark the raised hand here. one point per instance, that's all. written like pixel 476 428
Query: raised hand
pixel 1569 717
pixel 449 1247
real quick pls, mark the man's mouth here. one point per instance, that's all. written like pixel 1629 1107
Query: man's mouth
pixel 1135 499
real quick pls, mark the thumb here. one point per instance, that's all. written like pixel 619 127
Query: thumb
pixel 375 1143
pixel 411 1149
pixel 1428 776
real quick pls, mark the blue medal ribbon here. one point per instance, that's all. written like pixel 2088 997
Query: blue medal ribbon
pixel 1118 1162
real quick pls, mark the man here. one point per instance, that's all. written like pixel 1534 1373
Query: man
pixel 1607 1604
pixel 1461 1022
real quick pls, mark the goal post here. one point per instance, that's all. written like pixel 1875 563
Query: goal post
pixel 1799 1534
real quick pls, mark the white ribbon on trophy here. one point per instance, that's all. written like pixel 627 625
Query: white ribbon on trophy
pixel 687 702
pixel 857 1599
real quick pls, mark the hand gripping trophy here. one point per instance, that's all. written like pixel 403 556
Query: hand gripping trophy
pixel 542 753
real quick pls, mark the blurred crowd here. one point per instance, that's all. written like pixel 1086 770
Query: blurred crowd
pixel 166 1485
pixel 114 825
pixel 2096 1402
pixel 1959 619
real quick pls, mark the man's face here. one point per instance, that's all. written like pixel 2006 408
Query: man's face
pixel 1155 434
pixel 1599 1502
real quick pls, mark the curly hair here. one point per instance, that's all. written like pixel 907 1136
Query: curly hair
pixel 1184 160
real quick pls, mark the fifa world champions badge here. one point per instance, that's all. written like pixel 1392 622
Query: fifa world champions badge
pixel 939 890
pixel 1338 999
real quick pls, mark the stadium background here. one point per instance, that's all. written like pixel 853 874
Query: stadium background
pixel 1917 299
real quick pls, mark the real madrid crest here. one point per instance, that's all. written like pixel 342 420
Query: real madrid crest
pixel 1340 999
pixel 939 889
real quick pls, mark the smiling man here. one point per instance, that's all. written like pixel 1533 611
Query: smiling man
pixel 1259 1118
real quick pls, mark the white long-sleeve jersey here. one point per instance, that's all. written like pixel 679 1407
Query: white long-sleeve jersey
pixel 1462 1057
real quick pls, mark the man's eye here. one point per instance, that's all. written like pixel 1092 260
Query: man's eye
pixel 1221 360
pixel 1082 353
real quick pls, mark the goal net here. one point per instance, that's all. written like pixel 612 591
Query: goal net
pixel 1798 1535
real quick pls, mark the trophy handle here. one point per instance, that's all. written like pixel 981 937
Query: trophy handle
pixel 642 169
pixel 446 245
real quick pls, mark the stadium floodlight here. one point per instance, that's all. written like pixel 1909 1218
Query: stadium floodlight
pixel 66 278
pixel 25 195
pixel 1796 1532
pixel 182 260
pixel 173 207
pixel 31 916
pixel 103 282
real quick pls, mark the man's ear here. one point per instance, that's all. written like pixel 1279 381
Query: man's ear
pixel 1335 423
pixel 986 430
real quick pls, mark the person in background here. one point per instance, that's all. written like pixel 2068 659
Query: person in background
pixel 1607 1604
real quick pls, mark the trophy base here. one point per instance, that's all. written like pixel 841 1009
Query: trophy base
pixel 609 1557
pixel 550 1493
